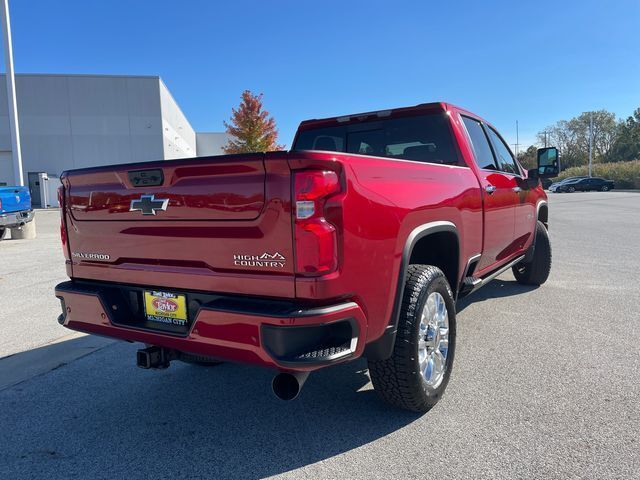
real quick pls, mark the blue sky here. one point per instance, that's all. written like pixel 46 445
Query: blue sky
pixel 531 61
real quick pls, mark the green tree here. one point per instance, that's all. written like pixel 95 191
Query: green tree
pixel 529 158
pixel 627 143
pixel 559 135
pixel 571 137
pixel 251 128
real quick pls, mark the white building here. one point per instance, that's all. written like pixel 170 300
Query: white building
pixel 74 121
pixel 208 142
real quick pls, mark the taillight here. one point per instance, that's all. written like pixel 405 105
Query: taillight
pixel 63 230
pixel 315 238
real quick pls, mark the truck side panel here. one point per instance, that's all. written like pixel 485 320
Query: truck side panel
pixel 385 200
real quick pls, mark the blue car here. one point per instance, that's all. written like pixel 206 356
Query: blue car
pixel 15 208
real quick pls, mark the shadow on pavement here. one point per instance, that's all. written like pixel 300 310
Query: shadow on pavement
pixel 102 416
pixel 494 289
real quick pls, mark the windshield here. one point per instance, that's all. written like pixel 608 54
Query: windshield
pixel 425 138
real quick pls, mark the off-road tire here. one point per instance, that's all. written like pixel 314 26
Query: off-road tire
pixel 398 379
pixel 201 360
pixel 537 270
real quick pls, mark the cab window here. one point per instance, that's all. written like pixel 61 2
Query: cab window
pixel 423 138
pixel 504 158
pixel 480 144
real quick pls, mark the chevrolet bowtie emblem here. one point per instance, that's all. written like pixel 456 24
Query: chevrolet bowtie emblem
pixel 148 204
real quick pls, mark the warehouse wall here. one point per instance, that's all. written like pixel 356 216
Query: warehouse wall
pixel 73 121
pixel 179 139
pixel 6 168
pixel 6 162
pixel 210 143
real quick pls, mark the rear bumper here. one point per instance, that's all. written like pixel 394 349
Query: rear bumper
pixel 271 333
pixel 15 219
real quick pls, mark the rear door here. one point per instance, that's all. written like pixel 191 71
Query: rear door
pixel 596 183
pixel 583 185
pixel 499 198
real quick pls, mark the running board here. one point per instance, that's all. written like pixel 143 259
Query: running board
pixel 471 284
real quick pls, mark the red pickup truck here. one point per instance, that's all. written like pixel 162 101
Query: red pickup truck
pixel 357 242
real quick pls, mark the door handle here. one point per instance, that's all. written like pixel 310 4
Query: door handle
pixel 516 189
pixel 490 189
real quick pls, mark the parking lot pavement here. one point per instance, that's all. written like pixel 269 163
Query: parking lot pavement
pixel 29 269
pixel 545 385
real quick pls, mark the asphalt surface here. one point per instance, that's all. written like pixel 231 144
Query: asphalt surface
pixel 545 385
pixel 28 271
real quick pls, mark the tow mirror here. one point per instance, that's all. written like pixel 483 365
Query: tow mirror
pixel 548 164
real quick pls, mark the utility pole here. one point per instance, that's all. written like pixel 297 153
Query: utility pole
pixel 517 139
pixel 590 141
pixel 11 94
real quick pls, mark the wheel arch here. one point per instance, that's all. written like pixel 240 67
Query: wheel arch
pixel 542 213
pixel 435 243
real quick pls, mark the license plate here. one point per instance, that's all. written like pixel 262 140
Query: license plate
pixel 165 307
pixel 10 218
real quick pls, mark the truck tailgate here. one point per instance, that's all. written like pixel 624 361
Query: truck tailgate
pixel 218 224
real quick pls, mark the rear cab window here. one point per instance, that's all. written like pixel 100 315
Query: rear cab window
pixel 422 138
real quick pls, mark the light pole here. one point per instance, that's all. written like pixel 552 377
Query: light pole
pixel 590 141
pixel 11 94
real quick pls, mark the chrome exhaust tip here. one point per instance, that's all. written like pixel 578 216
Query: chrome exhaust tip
pixel 286 386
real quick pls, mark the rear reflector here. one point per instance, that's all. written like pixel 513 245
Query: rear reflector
pixel 63 229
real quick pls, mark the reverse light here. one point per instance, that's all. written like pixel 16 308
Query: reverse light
pixel 315 238
pixel 305 209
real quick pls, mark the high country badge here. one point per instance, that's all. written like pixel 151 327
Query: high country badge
pixel 272 260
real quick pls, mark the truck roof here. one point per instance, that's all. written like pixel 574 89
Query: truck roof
pixel 392 112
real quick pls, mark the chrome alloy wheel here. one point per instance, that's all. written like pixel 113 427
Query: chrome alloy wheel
pixel 433 344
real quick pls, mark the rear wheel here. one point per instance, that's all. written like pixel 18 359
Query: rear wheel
pixel 416 375
pixel 605 188
pixel 537 270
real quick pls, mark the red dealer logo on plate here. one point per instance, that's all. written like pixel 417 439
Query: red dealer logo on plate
pixel 165 304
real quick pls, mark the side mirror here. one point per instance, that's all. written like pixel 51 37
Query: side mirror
pixel 548 164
